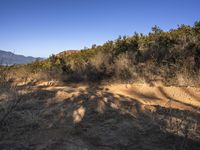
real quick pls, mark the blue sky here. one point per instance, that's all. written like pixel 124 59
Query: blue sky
pixel 43 27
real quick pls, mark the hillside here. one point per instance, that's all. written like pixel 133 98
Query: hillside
pixel 171 57
pixel 9 58
pixel 139 92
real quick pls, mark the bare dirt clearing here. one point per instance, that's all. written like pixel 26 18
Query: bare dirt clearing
pixel 97 116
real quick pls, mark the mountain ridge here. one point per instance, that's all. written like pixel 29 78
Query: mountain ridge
pixel 9 58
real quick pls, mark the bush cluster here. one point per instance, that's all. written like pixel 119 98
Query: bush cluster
pixel 158 55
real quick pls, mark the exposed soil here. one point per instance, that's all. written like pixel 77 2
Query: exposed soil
pixel 96 116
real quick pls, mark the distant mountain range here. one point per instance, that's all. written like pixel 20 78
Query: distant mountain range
pixel 9 58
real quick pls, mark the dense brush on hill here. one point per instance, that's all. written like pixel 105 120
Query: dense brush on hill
pixel 172 56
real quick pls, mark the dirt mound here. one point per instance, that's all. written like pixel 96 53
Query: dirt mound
pixel 106 117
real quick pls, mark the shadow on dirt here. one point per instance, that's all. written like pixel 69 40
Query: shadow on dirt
pixel 95 119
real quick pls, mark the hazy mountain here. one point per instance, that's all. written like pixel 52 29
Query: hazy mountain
pixel 9 58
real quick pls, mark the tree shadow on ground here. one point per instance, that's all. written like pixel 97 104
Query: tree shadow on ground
pixel 187 91
pixel 162 91
pixel 94 119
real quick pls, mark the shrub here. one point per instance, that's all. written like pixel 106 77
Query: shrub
pixel 124 68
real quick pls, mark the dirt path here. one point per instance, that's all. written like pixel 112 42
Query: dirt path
pixel 95 117
pixel 183 98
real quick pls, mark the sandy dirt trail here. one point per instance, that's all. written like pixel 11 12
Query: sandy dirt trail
pixel 183 98
pixel 102 116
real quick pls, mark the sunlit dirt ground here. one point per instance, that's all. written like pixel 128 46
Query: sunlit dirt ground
pixel 100 116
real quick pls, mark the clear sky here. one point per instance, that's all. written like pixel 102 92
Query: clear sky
pixel 43 27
